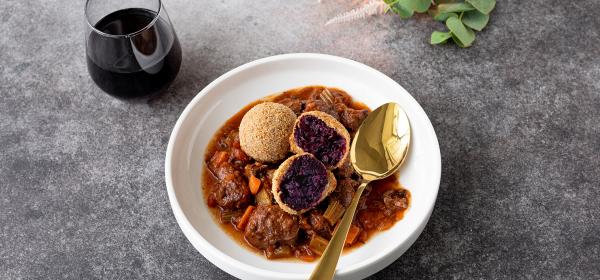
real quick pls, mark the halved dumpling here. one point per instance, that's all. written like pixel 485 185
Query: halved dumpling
pixel 321 135
pixel 301 182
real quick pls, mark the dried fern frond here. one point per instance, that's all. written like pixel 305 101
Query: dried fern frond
pixel 373 7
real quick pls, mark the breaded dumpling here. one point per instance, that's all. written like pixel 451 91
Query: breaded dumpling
pixel 265 130
pixel 323 136
pixel 301 182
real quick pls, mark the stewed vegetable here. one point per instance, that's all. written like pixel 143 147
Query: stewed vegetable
pixel 240 189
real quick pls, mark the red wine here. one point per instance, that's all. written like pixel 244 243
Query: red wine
pixel 141 64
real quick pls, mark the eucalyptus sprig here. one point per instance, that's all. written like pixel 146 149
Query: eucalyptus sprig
pixel 462 17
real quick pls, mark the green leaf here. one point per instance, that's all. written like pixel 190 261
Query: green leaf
pixel 419 6
pixel 475 20
pixel 399 7
pixel 457 41
pixel 454 8
pixel 465 35
pixel 436 15
pixel 484 6
pixel 438 37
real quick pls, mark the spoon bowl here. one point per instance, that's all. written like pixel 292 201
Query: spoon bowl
pixel 378 150
pixel 381 143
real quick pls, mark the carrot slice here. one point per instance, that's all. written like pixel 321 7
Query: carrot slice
pixel 220 157
pixel 254 184
pixel 352 234
pixel 244 220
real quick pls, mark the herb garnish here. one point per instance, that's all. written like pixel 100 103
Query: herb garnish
pixel 462 17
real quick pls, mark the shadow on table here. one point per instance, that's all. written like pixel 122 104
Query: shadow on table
pixel 190 80
pixel 455 234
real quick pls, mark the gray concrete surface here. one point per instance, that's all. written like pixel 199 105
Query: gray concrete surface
pixel 82 194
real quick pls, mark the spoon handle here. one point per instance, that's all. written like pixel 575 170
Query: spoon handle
pixel 325 269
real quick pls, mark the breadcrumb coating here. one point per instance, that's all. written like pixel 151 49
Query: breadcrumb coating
pixel 265 130
pixel 278 179
pixel 330 122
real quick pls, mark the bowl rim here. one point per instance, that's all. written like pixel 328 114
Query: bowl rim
pixel 240 269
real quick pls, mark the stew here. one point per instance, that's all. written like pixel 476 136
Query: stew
pixel 238 188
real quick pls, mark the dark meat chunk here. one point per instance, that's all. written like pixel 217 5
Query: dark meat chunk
pixel 269 225
pixel 293 103
pixel 225 172
pixel 346 170
pixel 323 106
pixel 352 118
pixel 230 140
pixel 230 145
pixel 345 191
pixel 231 194
pixel 394 200
pixel 230 190
pixel 349 117
pixel 221 167
pixel 341 98
pixel 314 223
pixel 239 157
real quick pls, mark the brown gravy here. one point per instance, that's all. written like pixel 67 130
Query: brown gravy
pixel 371 214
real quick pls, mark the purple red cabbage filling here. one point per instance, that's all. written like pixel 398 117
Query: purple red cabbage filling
pixel 303 183
pixel 315 137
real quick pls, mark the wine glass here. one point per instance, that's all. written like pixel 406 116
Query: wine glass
pixel 131 47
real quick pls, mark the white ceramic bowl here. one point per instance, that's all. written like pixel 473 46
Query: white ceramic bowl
pixel 225 96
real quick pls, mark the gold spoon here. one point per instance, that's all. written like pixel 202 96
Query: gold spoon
pixel 379 148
